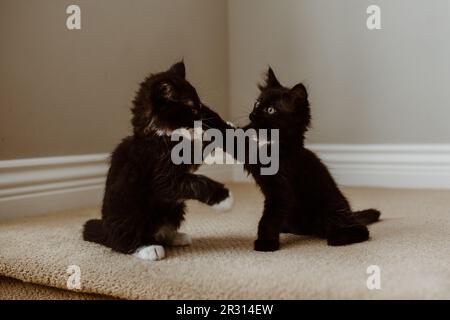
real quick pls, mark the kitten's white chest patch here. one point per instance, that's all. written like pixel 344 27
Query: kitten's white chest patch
pixel 191 133
pixel 163 133
pixel 261 141
pixel 187 133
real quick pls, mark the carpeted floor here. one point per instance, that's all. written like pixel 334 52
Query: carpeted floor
pixel 411 246
pixel 13 289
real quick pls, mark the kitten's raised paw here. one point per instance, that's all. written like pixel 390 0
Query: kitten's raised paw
pixel 267 245
pixel 181 239
pixel 150 253
pixel 225 204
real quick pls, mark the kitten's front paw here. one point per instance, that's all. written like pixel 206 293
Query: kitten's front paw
pixel 150 253
pixel 266 245
pixel 225 204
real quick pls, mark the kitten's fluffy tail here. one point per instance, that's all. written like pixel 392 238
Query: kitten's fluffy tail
pixel 367 216
pixel 93 231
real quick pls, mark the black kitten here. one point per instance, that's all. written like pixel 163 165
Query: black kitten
pixel 143 204
pixel 302 198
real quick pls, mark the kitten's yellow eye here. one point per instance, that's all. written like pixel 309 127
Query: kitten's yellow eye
pixel 256 105
pixel 270 110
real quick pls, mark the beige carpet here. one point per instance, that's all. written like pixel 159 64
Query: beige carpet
pixel 12 289
pixel 411 246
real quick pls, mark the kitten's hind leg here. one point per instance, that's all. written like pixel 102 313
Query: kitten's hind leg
pixel 343 229
pixel 169 235
pixel 347 235
pixel 367 216
pixel 156 252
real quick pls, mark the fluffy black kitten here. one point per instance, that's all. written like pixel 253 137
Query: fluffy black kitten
pixel 302 198
pixel 143 204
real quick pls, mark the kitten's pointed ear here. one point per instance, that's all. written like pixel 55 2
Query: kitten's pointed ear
pixel 179 69
pixel 299 92
pixel 271 80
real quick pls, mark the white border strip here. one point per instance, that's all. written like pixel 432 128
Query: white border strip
pixel 30 186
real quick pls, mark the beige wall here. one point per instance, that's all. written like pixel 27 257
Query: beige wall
pixel 69 92
pixel 386 86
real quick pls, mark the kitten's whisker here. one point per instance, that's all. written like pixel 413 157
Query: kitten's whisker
pixel 207 126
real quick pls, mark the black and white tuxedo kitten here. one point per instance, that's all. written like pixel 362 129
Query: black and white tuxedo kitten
pixel 145 193
pixel 302 198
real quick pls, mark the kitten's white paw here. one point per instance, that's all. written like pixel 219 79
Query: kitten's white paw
pixel 226 204
pixel 181 239
pixel 150 253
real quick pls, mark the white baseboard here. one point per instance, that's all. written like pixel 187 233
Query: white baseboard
pixel 388 166
pixel 385 166
pixel 34 186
